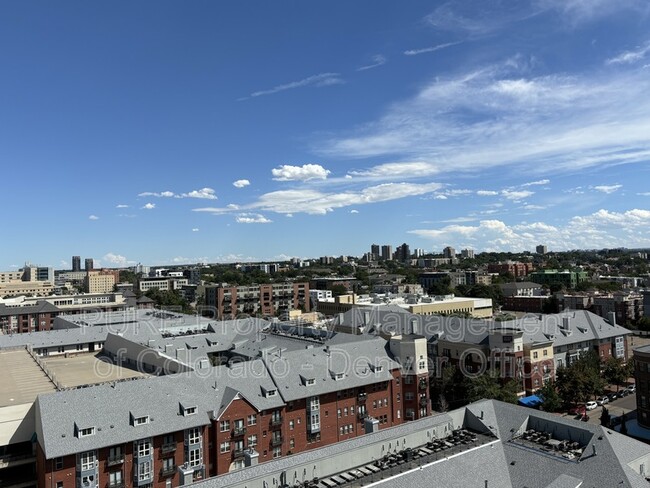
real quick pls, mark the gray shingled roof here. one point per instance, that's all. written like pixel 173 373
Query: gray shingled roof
pixel 41 306
pixel 291 369
pixel 109 407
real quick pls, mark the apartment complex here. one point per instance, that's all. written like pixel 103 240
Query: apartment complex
pixel 271 299
pixel 514 268
pixel 276 390
pixel 101 281
pixel 163 283
pixel 566 278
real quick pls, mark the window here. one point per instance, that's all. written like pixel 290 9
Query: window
pixel 115 453
pixel 114 478
pixel 385 402
pixel 338 412
pixel 87 460
pixel 59 484
pixel 338 376
pixel 190 411
pixel 408 395
pixel 224 447
pixel 86 432
pixel 58 463
pixel 535 354
pixel 277 452
pixel 195 458
pixel 271 393
pixel 252 419
pixel 309 381
pixel 141 420
pixel 292 443
pixel 291 423
pixel 545 353
pixel 144 471
pixel 252 440
pixel 144 448
pixel 224 425
pixel 345 411
pixel 194 435
pixel 168 464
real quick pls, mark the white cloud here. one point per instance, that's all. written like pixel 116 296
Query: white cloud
pixel 252 218
pixel 316 202
pixel 629 57
pixel 516 195
pixel 487 193
pixel 162 194
pixel 93 217
pixel 121 205
pixel 305 172
pixel 608 188
pixel 149 206
pixel 319 80
pixel 394 171
pixel 538 125
pixel 538 182
pixel 431 49
pixel 64 264
pixel 440 197
pixel 377 60
pixel 598 230
pixel 644 194
pixel 127 216
pixel 241 183
pixel 353 211
pixel 203 193
pixel 116 259
pixel 195 229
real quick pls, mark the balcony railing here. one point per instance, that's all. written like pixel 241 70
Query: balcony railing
pixel 362 415
pixel 168 470
pixel 276 441
pixel 238 453
pixel 362 397
pixel 422 386
pixel 11 460
pixel 238 432
pixel 276 421
pixel 115 460
pixel 169 447
pixel 423 402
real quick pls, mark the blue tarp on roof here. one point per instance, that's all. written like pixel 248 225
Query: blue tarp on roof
pixel 532 401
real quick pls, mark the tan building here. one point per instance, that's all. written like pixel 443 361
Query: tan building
pixel 99 282
pixel 32 288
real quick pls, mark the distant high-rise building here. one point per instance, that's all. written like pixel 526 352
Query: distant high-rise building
pixel 387 252
pixel 403 252
pixel 541 249
pixel 76 263
pixel 89 264
pixel 449 252
pixel 467 253
pixel 418 253
pixel 374 252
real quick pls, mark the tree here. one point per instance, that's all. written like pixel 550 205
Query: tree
pixel 552 400
pixel 488 385
pixel 338 290
pixel 615 371
pixel 581 380
pixel 605 418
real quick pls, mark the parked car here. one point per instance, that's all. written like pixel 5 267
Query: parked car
pixel 602 400
pixel 623 393
pixel 591 405
pixel 612 396
pixel 631 388
pixel 578 410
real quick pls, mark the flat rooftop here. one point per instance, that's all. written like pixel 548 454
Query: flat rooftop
pixel 22 380
pixel 87 369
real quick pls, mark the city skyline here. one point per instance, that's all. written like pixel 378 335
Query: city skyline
pixel 168 132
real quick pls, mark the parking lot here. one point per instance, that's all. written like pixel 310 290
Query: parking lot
pixel 616 408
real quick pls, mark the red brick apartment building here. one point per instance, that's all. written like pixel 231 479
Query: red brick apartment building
pixel 270 299
pixel 291 395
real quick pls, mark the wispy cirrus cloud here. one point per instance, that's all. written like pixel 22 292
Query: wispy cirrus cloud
pixel 377 60
pixel 430 49
pixel 121 205
pixel 319 80
pixel 316 202
pixel 306 172
pixel 535 183
pixel 500 117
pixel 162 194
pixel 398 170
pixel 630 57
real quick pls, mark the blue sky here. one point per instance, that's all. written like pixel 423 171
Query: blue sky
pixel 170 132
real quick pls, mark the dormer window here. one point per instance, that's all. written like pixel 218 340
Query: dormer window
pixel 185 411
pixel 269 393
pixel 84 432
pixel 139 420
pixel 310 381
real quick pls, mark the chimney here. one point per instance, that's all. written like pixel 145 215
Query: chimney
pixel 414 325
pixel 611 318
pixel 566 323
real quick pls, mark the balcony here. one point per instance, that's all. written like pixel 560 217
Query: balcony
pixel 115 484
pixel 423 386
pixel 12 460
pixel 168 470
pixel 362 397
pixel 169 447
pixel 115 460
pixel 423 402
pixel 362 415
pixel 238 453
pixel 238 432
pixel 276 421
pixel 276 441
